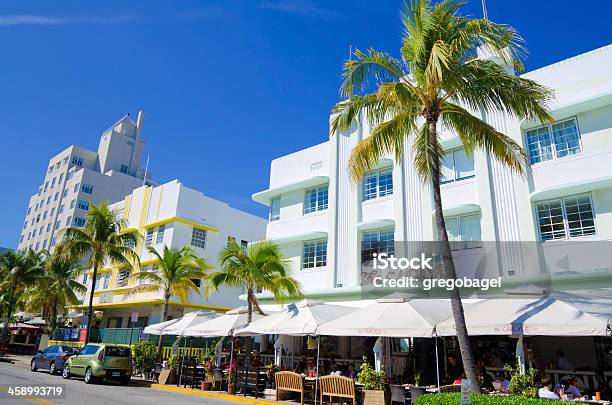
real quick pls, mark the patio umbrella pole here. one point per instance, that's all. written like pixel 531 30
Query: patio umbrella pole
pixel 317 379
pixel 437 361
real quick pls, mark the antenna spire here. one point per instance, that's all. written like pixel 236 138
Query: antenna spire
pixel 484 10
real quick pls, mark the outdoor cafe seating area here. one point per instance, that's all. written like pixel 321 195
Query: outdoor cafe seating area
pixel 313 351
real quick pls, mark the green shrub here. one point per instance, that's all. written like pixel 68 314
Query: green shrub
pixel 145 354
pixel 524 385
pixel 455 399
pixel 370 378
pixel 173 361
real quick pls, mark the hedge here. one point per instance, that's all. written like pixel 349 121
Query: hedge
pixel 452 399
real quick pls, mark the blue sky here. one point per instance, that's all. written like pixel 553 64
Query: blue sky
pixel 226 86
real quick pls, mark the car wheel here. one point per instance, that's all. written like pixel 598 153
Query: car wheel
pixel 89 377
pixel 33 366
pixel 66 372
pixel 125 381
pixel 52 368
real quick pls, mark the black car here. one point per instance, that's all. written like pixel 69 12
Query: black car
pixel 52 358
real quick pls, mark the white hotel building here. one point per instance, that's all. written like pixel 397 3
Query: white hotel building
pixel 323 220
pixel 172 215
pixel 77 177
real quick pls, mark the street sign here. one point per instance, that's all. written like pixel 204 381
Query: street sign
pixel 466 391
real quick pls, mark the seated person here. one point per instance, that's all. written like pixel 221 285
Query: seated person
pixel 333 369
pixel 351 372
pixel 458 380
pixel 572 389
pixel 501 384
pixel 311 370
pixel 546 390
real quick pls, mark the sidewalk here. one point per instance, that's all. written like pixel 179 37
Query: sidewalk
pixel 214 394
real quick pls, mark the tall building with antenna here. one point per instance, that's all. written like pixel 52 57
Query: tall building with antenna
pixel 77 177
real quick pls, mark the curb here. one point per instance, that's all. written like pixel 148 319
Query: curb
pixel 212 394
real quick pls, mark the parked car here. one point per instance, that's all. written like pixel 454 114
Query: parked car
pixel 52 358
pixel 100 361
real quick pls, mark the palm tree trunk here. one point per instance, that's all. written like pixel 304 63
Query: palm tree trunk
pixel 90 306
pixel 54 316
pixel 256 305
pixel 8 317
pixel 449 266
pixel 249 305
pixel 161 337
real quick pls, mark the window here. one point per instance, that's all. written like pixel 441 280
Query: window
pixel 25 225
pixel 463 231
pixel 56 196
pixel 76 187
pixel 21 239
pixel 314 254
pixel 46 186
pixel 61 177
pixel 33 232
pixel 89 349
pixel 37 245
pixel 44 244
pixel 72 203
pixel 83 205
pixel 160 234
pixel 57 224
pixel 123 277
pixel 44 215
pixel 377 184
pixel 68 221
pixel 50 169
pixel 53 241
pixel 569 217
pixel 77 160
pixel 53 182
pixel 52 212
pixel 124 169
pixel 553 141
pixel 456 166
pixel 275 209
pixel 29 210
pixel 130 243
pixel 103 280
pixel 79 221
pixel 65 193
pixel 87 188
pixel 316 199
pixel 48 227
pixel 48 200
pixel 61 209
pixel 244 245
pixel 149 237
pixel 198 238
pixel 377 241
pixel 70 174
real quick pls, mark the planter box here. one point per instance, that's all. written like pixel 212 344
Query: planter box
pixel 371 397
pixel 167 376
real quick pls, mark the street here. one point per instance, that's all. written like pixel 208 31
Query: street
pixel 79 393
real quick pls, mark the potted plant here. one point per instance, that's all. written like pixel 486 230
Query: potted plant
pixel 144 353
pixel 230 371
pixel 207 359
pixel 168 375
pixel 374 385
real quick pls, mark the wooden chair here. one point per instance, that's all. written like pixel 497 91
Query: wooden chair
pixel 289 381
pixel 450 388
pixel 337 386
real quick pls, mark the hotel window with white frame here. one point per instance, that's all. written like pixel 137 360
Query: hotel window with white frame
pixel 56 196
pixel 87 188
pixel 315 199
pixel 80 222
pixel 456 166
pixel 554 141
pixel 377 241
pixel 275 209
pixel 463 231
pixel 83 204
pixel 314 254
pixel 198 238
pixel 61 177
pixel 377 184
pixel 568 217
pixel 160 234
pixel 149 237
pixel 76 188
pixel 70 174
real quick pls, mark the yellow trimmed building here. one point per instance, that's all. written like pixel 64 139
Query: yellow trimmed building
pixel 173 215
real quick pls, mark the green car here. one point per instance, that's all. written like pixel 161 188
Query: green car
pixel 99 361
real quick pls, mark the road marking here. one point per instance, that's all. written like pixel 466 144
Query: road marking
pixel 212 394
pixel 38 401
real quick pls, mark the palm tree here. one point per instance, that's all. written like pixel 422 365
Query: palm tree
pixel 101 240
pixel 21 270
pixel 260 267
pixel 57 288
pixel 439 80
pixel 174 273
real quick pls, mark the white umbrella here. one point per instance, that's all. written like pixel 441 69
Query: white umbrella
pixel 37 321
pixel 223 325
pixel 299 319
pixel 555 315
pixel 391 317
pixel 179 325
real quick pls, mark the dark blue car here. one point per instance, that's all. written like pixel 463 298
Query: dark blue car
pixel 52 358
